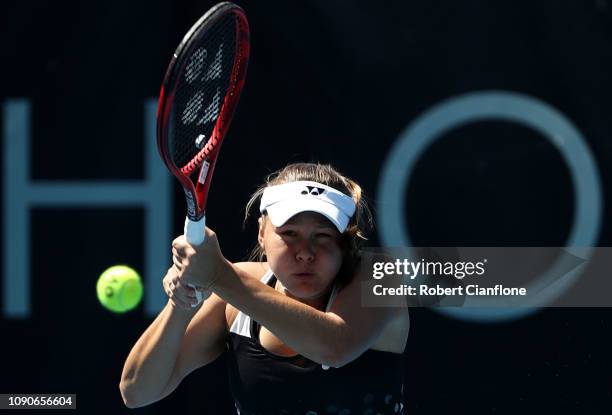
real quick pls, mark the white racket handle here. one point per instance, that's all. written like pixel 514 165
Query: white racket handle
pixel 195 233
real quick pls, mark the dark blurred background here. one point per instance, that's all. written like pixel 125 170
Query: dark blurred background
pixel 329 81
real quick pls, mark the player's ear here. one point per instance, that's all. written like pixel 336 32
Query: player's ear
pixel 260 234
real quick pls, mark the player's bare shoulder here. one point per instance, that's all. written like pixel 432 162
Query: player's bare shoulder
pixel 252 269
pixel 396 326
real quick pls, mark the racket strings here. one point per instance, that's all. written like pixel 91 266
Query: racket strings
pixel 200 93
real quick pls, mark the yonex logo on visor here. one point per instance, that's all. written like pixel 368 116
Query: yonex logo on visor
pixel 313 191
pixel 283 201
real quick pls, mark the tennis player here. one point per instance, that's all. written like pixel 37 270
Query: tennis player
pixel 299 340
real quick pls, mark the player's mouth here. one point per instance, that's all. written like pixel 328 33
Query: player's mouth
pixel 304 274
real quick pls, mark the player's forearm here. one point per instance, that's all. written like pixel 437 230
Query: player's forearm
pixel 317 335
pixel 151 361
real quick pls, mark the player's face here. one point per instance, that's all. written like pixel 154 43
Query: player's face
pixel 304 254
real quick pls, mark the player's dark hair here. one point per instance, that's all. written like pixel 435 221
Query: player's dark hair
pixel 361 221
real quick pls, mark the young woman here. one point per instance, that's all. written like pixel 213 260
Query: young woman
pixel 299 340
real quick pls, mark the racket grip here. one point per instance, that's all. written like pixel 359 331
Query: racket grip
pixel 195 233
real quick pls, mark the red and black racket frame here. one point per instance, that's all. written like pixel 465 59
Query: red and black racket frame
pixel 197 194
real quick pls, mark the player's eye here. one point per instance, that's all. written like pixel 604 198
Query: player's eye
pixel 289 232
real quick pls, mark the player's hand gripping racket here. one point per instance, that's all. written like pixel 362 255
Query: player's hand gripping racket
pixel 196 104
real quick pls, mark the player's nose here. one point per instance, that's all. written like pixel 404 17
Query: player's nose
pixel 305 251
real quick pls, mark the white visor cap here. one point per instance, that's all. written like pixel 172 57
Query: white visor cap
pixel 283 201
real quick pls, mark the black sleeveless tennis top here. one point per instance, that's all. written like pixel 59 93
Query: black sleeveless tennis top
pixel 263 383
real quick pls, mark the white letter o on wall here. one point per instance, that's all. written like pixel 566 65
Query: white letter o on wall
pixel 497 106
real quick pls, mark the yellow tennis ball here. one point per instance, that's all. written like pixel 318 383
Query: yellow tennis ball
pixel 119 288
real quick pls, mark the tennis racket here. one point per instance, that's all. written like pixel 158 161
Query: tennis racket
pixel 197 101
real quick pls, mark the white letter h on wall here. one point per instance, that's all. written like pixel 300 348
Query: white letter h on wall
pixel 21 194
